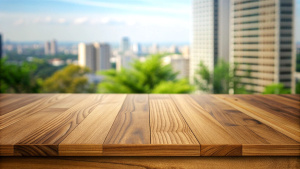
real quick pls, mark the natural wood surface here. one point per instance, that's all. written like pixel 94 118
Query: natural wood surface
pixel 149 125
pixel 151 162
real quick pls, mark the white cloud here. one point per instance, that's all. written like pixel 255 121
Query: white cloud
pixel 19 22
pixel 61 20
pixel 80 20
pixel 48 19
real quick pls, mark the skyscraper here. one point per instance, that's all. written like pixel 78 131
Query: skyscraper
pixel 1 46
pixel 53 47
pixel 102 54
pixel 94 56
pixel 86 56
pixel 262 42
pixel 137 49
pixel 125 44
pixel 210 33
pixel 47 48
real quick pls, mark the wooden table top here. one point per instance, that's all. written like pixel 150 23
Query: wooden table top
pixel 149 125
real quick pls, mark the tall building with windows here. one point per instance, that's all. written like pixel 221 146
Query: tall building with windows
pixel 262 42
pixel 47 48
pixel 53 47
pixel 210 33
pixel 125 44
pixel 102 55
pixel 95 56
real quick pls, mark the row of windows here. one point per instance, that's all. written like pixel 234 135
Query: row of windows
pixel 245 2
pixel 254 36
pixel 247 15
pixel 255 7
pixel 255 43
pixel 246 22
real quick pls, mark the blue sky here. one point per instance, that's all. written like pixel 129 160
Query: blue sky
pixel 90 20
pixel 152 21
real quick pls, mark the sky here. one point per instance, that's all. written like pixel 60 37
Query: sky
pixel 144 21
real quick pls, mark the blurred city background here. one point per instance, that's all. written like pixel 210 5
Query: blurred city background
pixel 150 46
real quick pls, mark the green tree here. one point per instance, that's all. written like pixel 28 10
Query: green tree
pixel 18 78
pixel 298 87
pixel 218 81
pixel 150 76
pixel 276 88
pixel 70 79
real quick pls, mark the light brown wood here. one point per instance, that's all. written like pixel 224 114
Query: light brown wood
pixel 276 122
pixel 209 132
pixel 12 117
pixel 149 125
pixel 151 162
pixel 14 133
pixel 271 150
pixel 131 126
pixel 167 124
pixel 94 129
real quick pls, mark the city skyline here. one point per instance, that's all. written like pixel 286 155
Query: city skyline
pixel 143 21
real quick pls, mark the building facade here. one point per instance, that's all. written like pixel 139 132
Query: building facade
pixel 47 48
pixel 210 33
pixel 262 43
pixel 53 47
pixel 95 56
pixel 125 44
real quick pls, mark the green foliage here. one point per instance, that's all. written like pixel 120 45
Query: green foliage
pixel 150 76
pixel 18 78
pixel 71 79
pixel 298 87
pixel 220 80
pixel 44 69
pixel 276 89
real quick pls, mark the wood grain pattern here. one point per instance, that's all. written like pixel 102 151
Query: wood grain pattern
pixel 208 131
pixel 149 125
pixel 167 124
pixel 131 126
pixel 271 150
pixel 94 129
pixel 151 162
pixel 12 117
pixel 151 150
pixel 14 133
pixel 275 121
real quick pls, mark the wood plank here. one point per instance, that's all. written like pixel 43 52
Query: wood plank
pixel 14 133
pixel 151 162
pixel 8 105
pixel 56 130
pixel 131 126
pixel 26 111
pixel 166 122
pixel 151 150
pixel 278 123
pixel 271 150
pixel 167 125
pixel 286 102
pixel 295 97
pixel 244 128
pixel 277 106
pixel 212 136
pixel 94 129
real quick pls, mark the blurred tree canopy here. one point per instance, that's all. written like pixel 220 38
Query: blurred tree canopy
pixel 70 79
pixel 276 88
pixel 18 78
pixel 150 76
pixel 298 87
pixel 220 80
